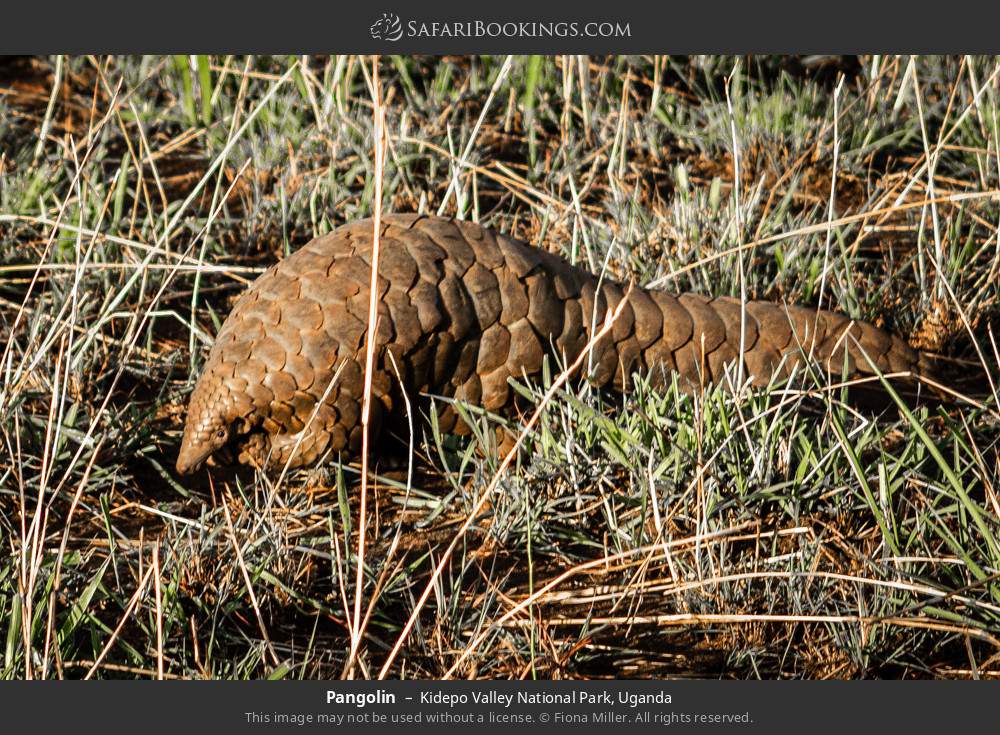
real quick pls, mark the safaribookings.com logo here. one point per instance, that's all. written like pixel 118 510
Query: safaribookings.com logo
pixel 387 28
pixel 390 28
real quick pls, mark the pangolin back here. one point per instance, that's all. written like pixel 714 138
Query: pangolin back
pixel 461 309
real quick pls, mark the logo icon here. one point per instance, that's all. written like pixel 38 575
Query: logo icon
pixel 387 28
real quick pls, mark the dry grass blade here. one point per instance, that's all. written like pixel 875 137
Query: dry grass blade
pixel 373 299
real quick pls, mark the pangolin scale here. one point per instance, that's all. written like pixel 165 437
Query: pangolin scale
pixel 461 309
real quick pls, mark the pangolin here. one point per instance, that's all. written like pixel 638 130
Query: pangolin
pixel 461 310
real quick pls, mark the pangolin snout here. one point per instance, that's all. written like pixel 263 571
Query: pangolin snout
pixel 186 464
pixel 192 455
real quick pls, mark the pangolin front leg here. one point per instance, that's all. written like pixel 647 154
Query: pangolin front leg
pixel 461 310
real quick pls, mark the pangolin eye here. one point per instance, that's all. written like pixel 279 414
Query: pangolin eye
pixel 221 433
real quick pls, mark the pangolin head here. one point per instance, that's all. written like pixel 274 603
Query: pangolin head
pixel 209 421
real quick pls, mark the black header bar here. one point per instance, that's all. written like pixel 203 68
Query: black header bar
pixel 512 26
